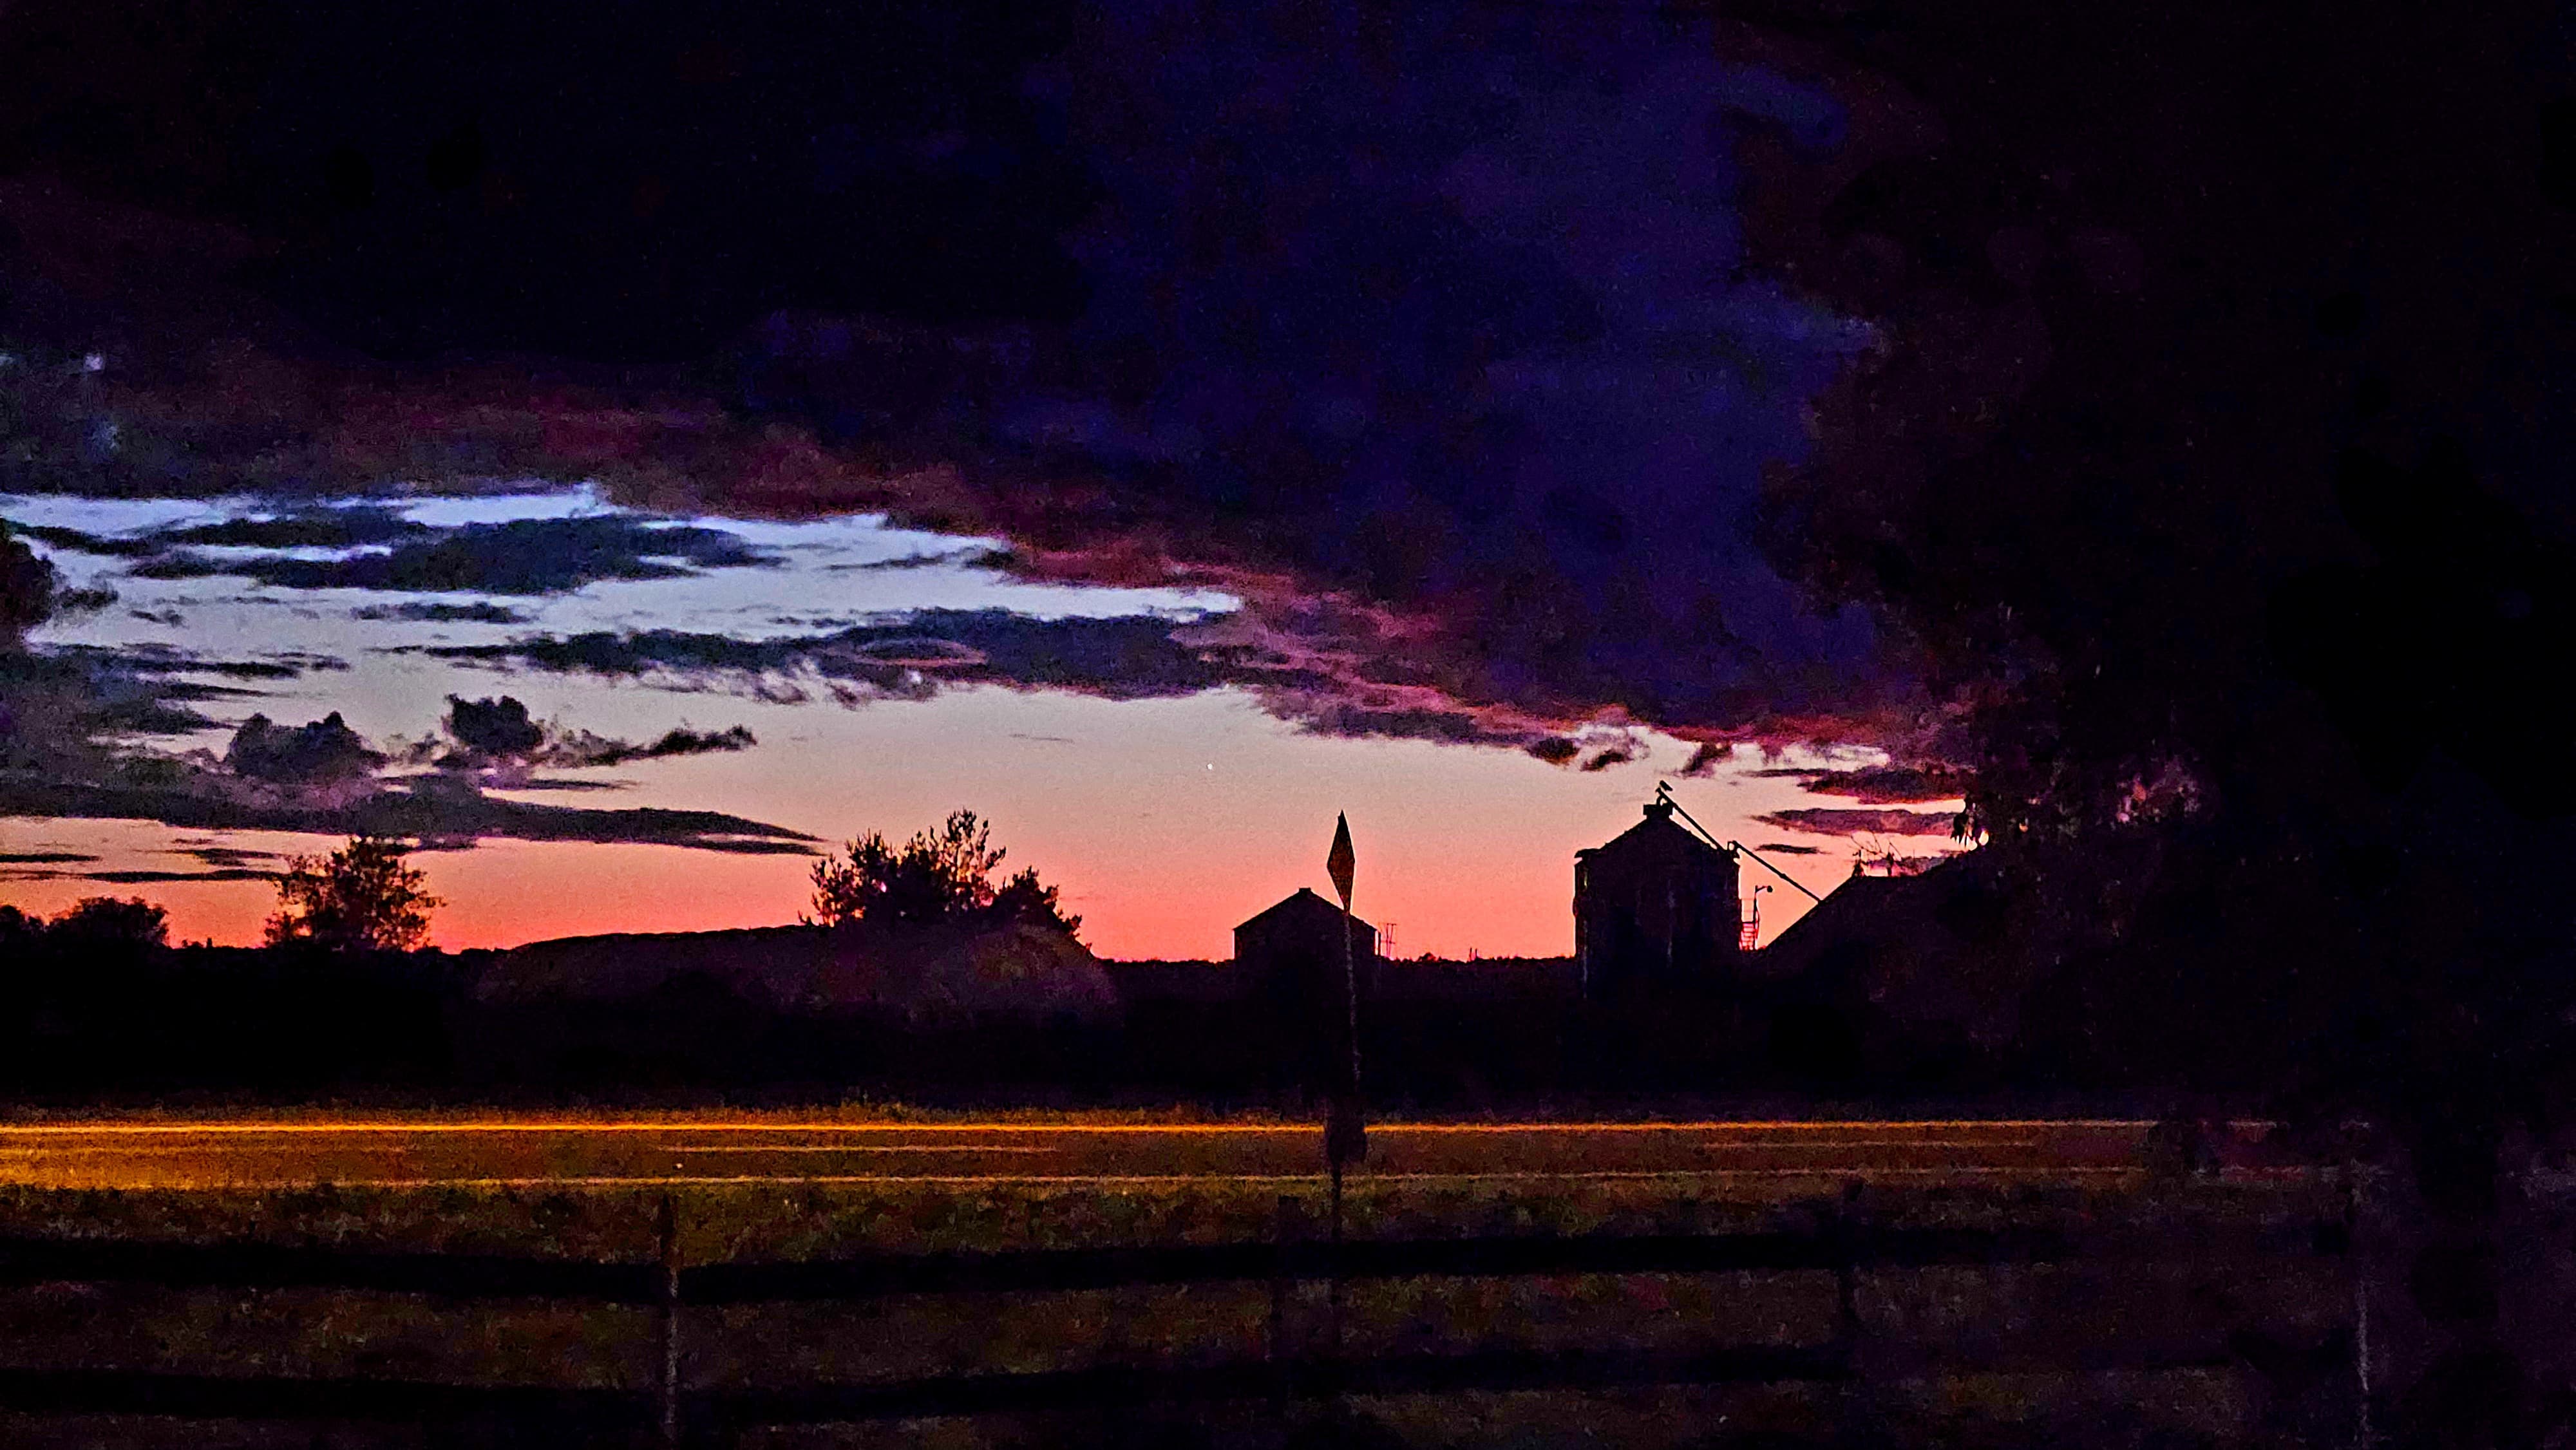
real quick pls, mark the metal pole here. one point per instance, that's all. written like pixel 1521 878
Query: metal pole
pixel 669 1227
pixel 1346 1133
pixel 1284 1235
pixel 1845 1224
pixel 2363 1434
pixel 1345 1127
pixel 1664 792
pixel 1345 1130
pixel 1744 850
pixel 1336 1278
pixel 1351 1005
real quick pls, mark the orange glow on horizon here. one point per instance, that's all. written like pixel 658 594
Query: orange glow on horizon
pixel 1164 823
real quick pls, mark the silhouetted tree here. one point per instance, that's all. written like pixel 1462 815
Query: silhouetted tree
pixel 933 877
pixel 2251 694
pixel 18 930
pixel 107 923
pixel 360 898
pixel 2204 468
pixel 849 887
pixel 1025 898
pixel 946 875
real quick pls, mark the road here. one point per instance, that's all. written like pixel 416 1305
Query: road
pixel 682 1150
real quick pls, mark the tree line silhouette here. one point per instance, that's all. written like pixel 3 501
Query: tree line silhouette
pixel 343 999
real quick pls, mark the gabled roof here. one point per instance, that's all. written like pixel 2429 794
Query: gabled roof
pixel 1944 951
pixel 1301 908
pixel 1928 916
pixel 1862 906
pixel 1658 835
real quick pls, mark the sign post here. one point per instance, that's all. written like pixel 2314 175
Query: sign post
pixel 1345 1132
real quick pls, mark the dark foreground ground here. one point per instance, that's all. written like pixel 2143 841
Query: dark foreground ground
pixel 775 1282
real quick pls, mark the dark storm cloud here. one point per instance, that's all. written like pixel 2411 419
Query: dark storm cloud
pixel 144 876
pixel 163 663
pixel 1458 329
pixel 344 527
pixel 1337 688
pixel 286 666
pixel 380 549
pixel 54 704
pixel 1129 657
pixel 223 856
pixel 432 808
pixel 500 733
pixel 493 727
pixel 1785 848
pixel 986 558
pixel 79 542
pixel 142 714
pixel 64 712
pixel 583 748
pixel 1879 785
pixel 1446 312
pixel 1461 326
pixel 1705 758
pixel 523 556
pixel 323 752
pixel 42 858
pixel 1839 821
pixel 81 691
pixel 441 613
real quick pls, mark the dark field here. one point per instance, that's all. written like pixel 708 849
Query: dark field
pixel 1095 1283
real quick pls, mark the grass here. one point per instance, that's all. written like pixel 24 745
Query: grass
pixel 2026 1310
pixel 788 1221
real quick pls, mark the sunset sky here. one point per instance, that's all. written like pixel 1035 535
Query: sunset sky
pixel 1168 809
pixel 1155 428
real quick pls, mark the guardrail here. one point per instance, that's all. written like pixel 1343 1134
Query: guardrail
pixel 685 1414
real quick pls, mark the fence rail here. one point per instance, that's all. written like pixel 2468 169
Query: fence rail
pixel 1837 1245
pixel 463 1276
pixel 266 1266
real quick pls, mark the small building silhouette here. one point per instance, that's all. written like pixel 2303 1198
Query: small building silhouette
pixel 1302 924
pixel 1291 956
pixel 1929 953
pixel 1655 904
